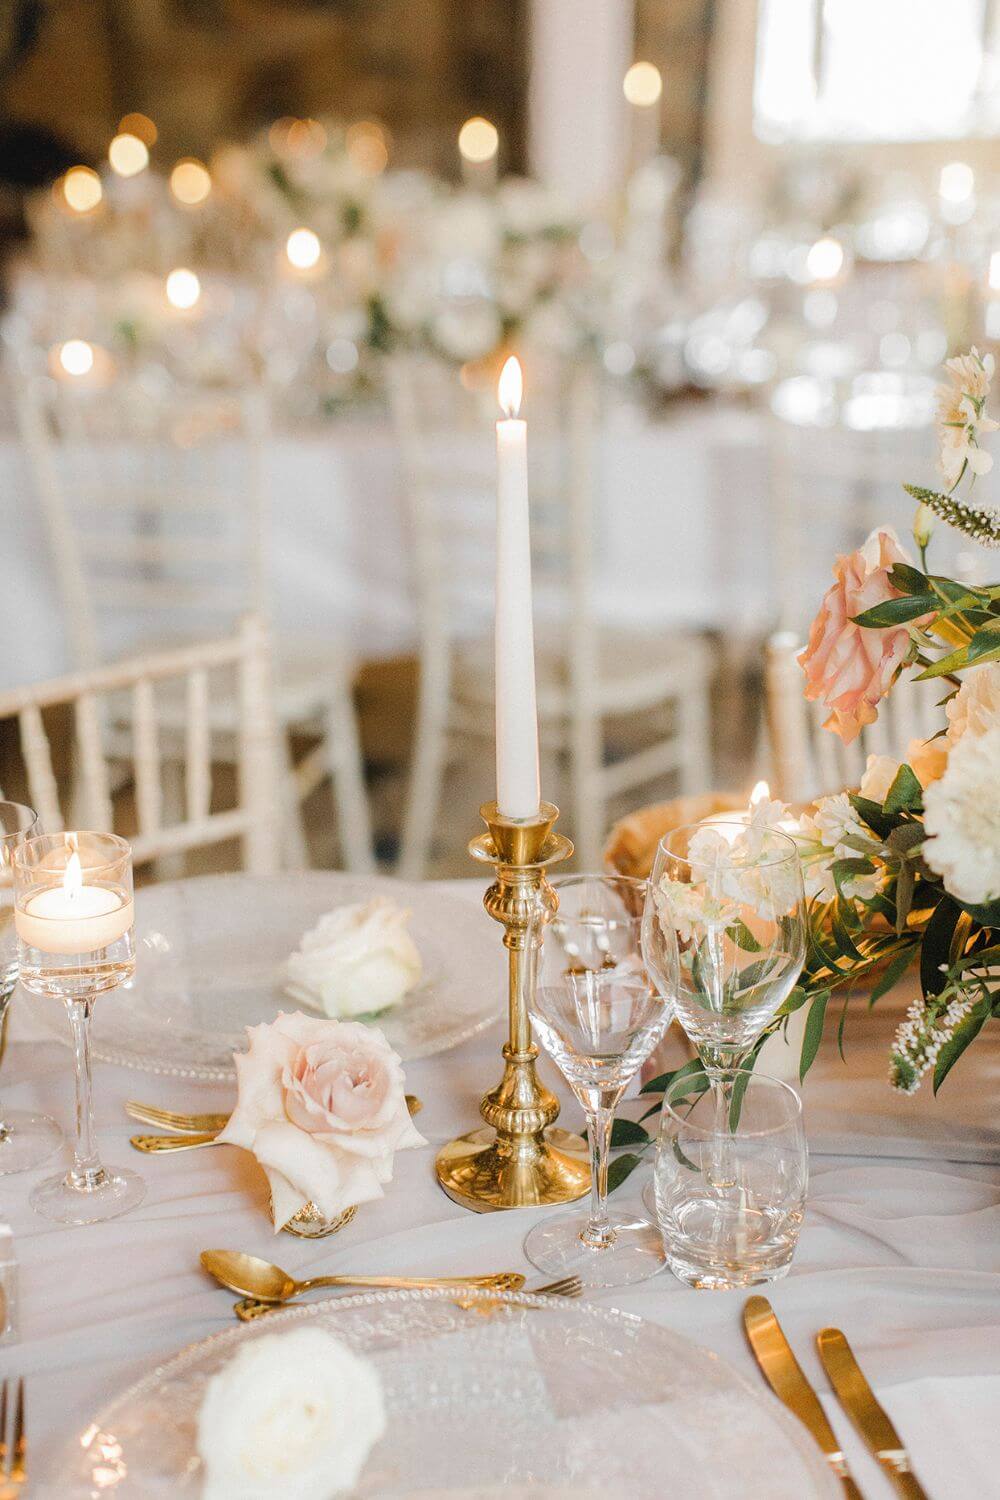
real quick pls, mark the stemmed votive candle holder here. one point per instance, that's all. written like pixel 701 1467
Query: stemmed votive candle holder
pixel 74 914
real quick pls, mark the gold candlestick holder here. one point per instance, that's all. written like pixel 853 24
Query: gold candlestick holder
pixel 518 1160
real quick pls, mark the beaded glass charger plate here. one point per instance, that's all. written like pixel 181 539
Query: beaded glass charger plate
pixel 210 954
pixel 536 1399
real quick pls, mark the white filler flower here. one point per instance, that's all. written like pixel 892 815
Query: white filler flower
pixel 962 818
pixel 357 960
pixel 292 1416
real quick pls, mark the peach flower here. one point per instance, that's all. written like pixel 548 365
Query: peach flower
pixel 321 1105
pixel 851 668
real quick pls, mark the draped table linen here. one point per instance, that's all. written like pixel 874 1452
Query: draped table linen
pixel 900 1248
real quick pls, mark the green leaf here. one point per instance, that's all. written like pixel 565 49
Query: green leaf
pixel 896 611
pixel 846 869
pixel 628 1133
pixel 954 662
pixel 621 1168
pixel 985 644
pixel 905 794
pixel 935 951
pixel 663 1082
pixel 987 915
pixel 965 1032
pixel 813 1032
pixel 795 1002
pixel 908 580
pixel 741 935
pixel 891 975
pixel 871 813
pixel 739 1089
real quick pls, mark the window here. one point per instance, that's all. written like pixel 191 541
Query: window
pixel 877 70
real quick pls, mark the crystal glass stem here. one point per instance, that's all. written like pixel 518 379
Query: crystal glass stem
pixel 4 1009
pixel 600 1105
pixel 86 1172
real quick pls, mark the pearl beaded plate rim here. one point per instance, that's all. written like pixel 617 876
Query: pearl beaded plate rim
pixel 595 1402
pixel 209 956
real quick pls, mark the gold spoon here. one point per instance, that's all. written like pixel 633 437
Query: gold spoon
pixel 250 1276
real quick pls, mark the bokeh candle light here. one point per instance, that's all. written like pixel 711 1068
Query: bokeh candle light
pixel 82 189
pixel 303 249
pixel 128 155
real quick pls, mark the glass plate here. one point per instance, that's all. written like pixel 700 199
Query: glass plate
pixel 541 1398
pixel 210 953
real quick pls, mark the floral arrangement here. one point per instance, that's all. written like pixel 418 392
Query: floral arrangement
pixel 906 870
pixel 320 1104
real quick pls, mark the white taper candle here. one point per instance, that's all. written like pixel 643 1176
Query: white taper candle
pixel 516 713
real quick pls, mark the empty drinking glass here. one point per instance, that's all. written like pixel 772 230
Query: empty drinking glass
pixel 743 1231
pixel 725 911
pixel 597 1015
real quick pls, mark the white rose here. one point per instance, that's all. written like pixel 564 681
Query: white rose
pixel 357 960
pixel 880 773
pixel 292 1416
pixel 975 708
pixel 321 1104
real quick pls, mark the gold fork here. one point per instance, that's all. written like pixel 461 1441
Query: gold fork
pixel 203 1125
pixel 247 1309
pixel 13 1454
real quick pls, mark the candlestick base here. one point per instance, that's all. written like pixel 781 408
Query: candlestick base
pixel 519 1160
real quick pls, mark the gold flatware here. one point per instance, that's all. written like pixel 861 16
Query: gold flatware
pixel 169 1119
pixel 207 1125
pixel 249 1276
pixel 157 1145
pixel 872 1421
pixel 781 1370
pixel 247 1310
pixel 13 1450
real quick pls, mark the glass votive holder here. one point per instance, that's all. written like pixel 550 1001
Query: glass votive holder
pixel 74 914
pixel 729 1186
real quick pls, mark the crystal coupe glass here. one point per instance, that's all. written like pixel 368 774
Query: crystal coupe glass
pixel 74 916
pixel 26 1138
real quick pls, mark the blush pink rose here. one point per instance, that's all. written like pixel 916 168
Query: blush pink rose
pixel 850 668
pixel 321 1105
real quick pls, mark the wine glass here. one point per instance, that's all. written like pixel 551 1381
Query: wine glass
pixel 26 1138
pixel 74 916
pixel 597 1015
pixel 724 922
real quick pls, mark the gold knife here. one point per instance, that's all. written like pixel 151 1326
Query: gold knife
pixel 782 1373
pixel 858 1400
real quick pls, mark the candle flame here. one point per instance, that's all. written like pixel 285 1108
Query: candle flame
pixel 73 876
pixel 511 387
pixel 760 793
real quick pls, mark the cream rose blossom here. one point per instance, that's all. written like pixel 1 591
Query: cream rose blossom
pixel 357 960
pixel 321 1105
pixel 292 1416
pixel 975 708
pixel 961 418
pixel 850 668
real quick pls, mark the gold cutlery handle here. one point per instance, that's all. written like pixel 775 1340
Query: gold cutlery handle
pixel 155 1144
pixel 502 1281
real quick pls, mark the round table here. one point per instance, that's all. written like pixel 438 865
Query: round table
pixel 901 1245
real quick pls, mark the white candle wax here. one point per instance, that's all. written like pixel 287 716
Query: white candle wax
pixel 516 714
pixel 74 921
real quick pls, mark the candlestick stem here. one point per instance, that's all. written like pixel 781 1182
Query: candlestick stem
pixel 519 1160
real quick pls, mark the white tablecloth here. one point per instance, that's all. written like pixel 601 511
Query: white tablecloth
pixel 901 1246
